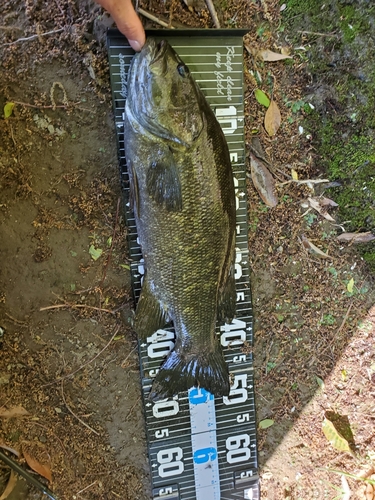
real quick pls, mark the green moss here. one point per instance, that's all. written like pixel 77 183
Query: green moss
pixel 343 124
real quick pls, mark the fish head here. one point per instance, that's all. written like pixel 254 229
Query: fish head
pixel 163 96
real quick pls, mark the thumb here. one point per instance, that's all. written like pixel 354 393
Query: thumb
pixel 126 20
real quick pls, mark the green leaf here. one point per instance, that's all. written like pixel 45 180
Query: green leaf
pixel 261 97
pixel 95 252
pixel 125 266
pixel 320 382
pixel 109 241
pixel 334 437
pixel 8 109
pixel 264 424
pixel 350 286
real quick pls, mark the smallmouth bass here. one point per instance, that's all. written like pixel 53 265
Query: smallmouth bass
pixel 182 193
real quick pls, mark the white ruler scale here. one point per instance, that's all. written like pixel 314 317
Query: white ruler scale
pixel 200 447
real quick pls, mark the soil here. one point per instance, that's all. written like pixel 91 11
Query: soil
pixel 68 354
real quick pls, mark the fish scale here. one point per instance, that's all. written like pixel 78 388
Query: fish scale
pixel 177 453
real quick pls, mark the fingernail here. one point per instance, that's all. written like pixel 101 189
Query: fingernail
pixel 135 45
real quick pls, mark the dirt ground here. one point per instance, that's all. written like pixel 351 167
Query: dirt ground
pixel 70 395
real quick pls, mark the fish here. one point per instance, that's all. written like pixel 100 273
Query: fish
pixel 183 198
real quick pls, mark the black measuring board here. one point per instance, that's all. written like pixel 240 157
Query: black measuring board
pixel 200 447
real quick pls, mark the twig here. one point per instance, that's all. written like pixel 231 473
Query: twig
pixel 132 408
pixel 305 181
pixel 316 33
pixel 53 434
pixel 74 415
pixel 63 106
pixel 86 488
pixel 150 16
pixel 112 242
pixel 75 306
pixel 127 357
pixel 84 364
pixel 345 318
pixel 32 37
pixel 17 321
pixel 212 11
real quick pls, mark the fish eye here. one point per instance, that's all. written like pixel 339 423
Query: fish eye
pixel 183 70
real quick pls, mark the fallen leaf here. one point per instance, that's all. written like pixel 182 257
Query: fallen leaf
pixel 8 109
pixel 327 202
pixel 356 238
pixel 95 252
pixel 316 205
pixel 344 375
pixel 350 285
pixel 43 470
pixel 270 56
pixel 294 175
pixel 263 181
pixel 320 382
pixel 272 120
pixel 314 249
pixel 345 487
pixel 264 424
pixel 262 98
pixel 334 437
pixel 16 411
pixel 10 486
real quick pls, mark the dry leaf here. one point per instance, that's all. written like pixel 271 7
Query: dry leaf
pixel 314 249
pixel 334 437
pixel 43 470
pixel 10 486
pixel 327 202
pixel 366 491
pixel 345 487
pixel 356 238
pixel 263 181
pixel 269 56
pixel 316 205
pixel 272 120
pixel 16 411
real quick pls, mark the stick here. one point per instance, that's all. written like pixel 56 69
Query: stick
pixel 63 106
pixel 318 34
pixel 112 243
pixel 150 16
pixel 212 11
pixel 73 306
pixel 32 37
pixel 306 181
pixel 74 415
pixel 84 364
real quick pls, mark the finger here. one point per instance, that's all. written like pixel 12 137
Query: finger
pixel 127 21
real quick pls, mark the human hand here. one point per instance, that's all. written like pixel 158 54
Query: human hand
pixel 127 21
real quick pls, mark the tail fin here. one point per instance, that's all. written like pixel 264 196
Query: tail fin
pixel 182 370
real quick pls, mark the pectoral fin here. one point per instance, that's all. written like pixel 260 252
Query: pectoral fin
pixel 149 315
pixel 163 185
